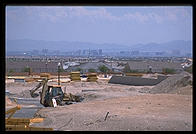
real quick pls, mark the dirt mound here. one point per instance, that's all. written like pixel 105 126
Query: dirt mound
pixel 188 90
pixel 25 94
pixel 173 83
pixel 90 96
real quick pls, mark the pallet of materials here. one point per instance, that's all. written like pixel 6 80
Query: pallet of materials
pixel 134 74
pixel 47 75
pixel 22 124
pixel 92 77
pixel 75 76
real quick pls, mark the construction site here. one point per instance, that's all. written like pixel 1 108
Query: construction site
pixel 98 67
pixel 99 102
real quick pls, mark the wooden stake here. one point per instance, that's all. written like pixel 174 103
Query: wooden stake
pixel 106 116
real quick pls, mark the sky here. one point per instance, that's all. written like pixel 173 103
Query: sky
pixel 127 25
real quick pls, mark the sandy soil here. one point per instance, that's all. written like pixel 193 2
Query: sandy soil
pixel 129 109
pixel 135 113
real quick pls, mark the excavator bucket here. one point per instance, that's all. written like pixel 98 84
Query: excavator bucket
pixel 34 95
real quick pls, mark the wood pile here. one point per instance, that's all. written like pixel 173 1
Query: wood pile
pixel 22 124
pixel 47 75
pixel 92 77
pixel 134 74
pixel 75 76
pixel 29 79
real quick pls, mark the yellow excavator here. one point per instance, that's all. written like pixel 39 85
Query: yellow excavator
pixel 53 95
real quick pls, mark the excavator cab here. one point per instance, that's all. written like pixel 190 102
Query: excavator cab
pixel 53 92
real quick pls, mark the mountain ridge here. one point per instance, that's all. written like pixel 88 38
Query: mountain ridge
pixel 29 45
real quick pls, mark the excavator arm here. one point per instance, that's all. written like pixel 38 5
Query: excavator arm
pixel 32 91
pixel 44 90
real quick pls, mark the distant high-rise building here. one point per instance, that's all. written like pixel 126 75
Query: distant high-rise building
pixel 159 53
pixel 145 53
pixel 44 51
pixel 124 53
pixel 94 52
pixel 100 51
pixel 134 53
pixel 78 52
pixel 85 52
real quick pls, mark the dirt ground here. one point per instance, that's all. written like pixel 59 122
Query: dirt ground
pixel 129 109
pixel 136 113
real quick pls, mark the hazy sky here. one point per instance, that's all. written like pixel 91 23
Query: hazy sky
pixel 100 24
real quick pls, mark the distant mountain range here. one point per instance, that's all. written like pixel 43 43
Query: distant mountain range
pixel 183 46
pixel 64 46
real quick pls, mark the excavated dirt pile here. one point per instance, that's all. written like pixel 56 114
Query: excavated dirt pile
pixel 173 83
pixel 25 94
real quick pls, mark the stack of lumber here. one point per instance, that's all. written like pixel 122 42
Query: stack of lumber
pixel 22 124
pixel 47 75
pixel 92 77
pixel 75 76
pixel 134 74
pixel 29 79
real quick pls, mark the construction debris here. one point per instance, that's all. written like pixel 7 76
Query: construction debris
pixel 70 98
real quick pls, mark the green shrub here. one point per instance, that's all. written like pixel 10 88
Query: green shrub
pixel 61 70
pixel 169 71
pixel 91 70
pixel 78 69
pixel 104 69
pixel 26 69
pixel 133 71
pixel 11 71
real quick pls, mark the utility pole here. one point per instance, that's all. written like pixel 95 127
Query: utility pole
pixel 46 70
pixel 59 64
